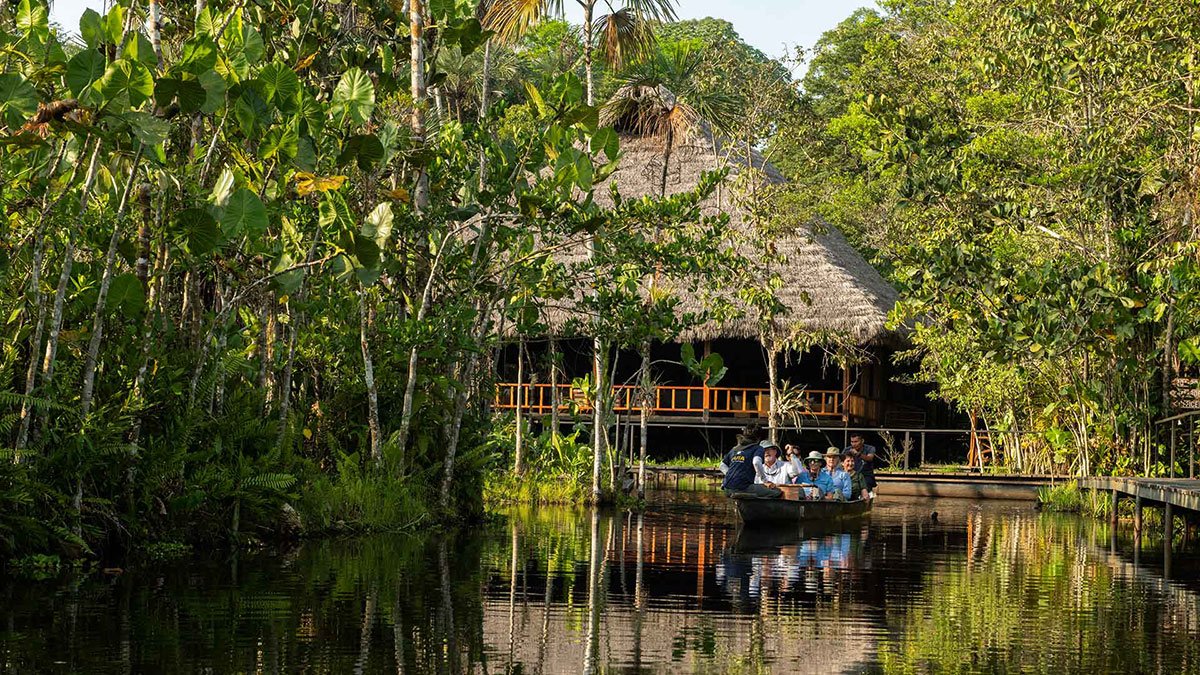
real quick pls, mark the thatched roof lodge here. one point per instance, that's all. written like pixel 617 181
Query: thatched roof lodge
pixel 829 290
pixel 833 300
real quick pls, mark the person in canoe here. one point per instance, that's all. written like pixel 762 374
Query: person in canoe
pixel 743 464
pixel 816 480
pixel 833 466
pixel 774 469
pixel 850 484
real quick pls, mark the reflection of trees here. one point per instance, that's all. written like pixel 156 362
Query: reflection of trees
pixel 1036 593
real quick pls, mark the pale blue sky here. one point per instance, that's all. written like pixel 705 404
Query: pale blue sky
pixel 774 26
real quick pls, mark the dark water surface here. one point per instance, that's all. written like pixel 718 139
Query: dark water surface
pixel 987 587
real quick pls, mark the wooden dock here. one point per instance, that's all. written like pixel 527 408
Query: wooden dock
pixel 1181 493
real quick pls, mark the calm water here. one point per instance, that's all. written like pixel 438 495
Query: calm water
pixel 985 588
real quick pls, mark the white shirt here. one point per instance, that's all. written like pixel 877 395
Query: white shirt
pixel 780 473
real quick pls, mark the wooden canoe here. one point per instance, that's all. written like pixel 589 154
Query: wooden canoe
pixel 754 510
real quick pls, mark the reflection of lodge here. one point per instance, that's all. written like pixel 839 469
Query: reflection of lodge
pixel 676 596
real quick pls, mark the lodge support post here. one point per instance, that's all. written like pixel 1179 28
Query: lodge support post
pixel 706 403
pixel 922 449
pixel 846 395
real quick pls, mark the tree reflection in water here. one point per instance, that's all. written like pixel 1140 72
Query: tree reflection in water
pixel 676 589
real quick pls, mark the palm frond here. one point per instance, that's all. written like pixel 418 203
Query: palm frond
pixel 623 37
pixel 511 19
pixel 660 11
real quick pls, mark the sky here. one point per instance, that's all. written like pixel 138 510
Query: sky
pixel 774 26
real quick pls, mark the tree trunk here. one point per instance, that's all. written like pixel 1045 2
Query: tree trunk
pixel 773 376
pixel 644 422
pixel 519 460
pixel 555 401
pixel 110 259
pixel 364 312
pixel 454 430
pixel 599 416
pixel 152 31
pixel 588 48
pixel 416 28
pixel 64 279
pixel 39 303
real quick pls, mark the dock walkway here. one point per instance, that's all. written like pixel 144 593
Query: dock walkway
pixel 1182 493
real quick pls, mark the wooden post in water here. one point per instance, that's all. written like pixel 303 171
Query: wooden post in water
pixel 1174 434
pixel 1168 536
pixel 1112 517
pixel 1137 517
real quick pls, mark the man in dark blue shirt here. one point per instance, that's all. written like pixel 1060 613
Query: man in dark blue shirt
pixel 742 464
pixel 864 458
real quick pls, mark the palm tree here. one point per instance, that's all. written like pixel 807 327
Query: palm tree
pixel 626 32
pixel 661 96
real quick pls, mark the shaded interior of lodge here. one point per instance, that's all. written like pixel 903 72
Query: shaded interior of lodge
pixel 833 300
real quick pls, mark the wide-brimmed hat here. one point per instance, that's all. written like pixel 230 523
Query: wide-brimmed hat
pixel 768 444
pixel 833 452
pixel 814 456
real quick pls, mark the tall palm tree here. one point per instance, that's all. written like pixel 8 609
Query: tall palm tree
pixel 661 96
pixel 625 32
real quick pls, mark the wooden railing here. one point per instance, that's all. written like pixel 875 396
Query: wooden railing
pixel 668 399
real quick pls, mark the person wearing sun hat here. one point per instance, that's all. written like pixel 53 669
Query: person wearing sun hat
pixel 743 464
pixel 775 470
pixel 833 462
pixel 816 480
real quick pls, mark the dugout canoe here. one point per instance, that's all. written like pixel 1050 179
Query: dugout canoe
pixel 753 510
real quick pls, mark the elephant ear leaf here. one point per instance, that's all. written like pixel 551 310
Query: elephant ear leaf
pixel 18 99
pixel 354 97
pixel 127 294
pixel 244 215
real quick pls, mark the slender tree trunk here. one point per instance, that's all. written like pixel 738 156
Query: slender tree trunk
pixel 454 427
pixel 153 19
pixel 110 259
pixel 519 460
pixel 416 27
pixel 599 414
pixel 39 303
pixel 369 376
pixel 555 400
pixel 588 49
pixel 64 279
pixel 773 376
pixel 644 423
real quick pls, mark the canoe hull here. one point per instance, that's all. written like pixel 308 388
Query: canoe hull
pixel 753 510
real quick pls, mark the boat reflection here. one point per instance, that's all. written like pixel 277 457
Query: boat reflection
pixel 810 559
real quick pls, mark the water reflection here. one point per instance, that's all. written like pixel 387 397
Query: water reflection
pixel 680 588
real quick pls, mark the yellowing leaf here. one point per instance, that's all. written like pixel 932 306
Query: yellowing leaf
pixel 308 433
pixel 305 62
pixel 399 194
pixel 307 183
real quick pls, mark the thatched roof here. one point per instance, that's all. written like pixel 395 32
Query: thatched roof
pixel 830 291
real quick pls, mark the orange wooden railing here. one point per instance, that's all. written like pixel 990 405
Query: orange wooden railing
pixel 668 399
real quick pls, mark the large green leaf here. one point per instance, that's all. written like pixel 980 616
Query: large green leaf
pixel 365 150
pixel 244 214
pixel 199 229
pixel 126 293
pixel 189 93
pixel 126 78
pixel 18 99
pixel 378 226
pixel 138 48
pixel 33 18
pixel 91 28
pixel 214 91
pixel 280 86
pixel 199 56
pixel 83 70
pixel 354 97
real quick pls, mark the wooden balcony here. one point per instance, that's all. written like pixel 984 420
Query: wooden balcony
pixel 668 400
